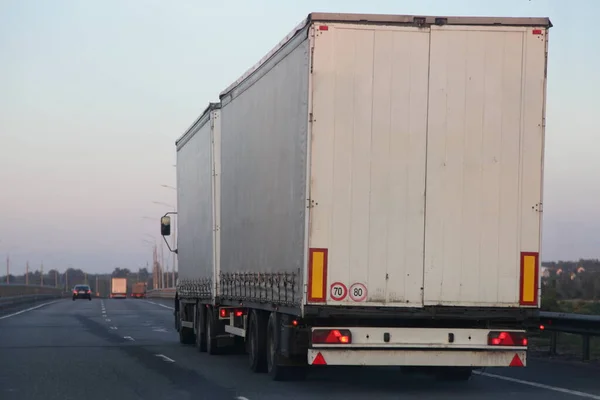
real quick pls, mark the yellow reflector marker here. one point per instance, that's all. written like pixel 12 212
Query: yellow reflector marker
pixel 317 274
pixel 529 278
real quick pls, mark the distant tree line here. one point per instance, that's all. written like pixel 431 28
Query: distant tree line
pixel 571 286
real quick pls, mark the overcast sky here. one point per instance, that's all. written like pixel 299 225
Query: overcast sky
pixel 93 95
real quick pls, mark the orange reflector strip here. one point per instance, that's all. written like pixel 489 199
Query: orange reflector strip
pixel 317 275
pixel 529 279
pixel 516 362
pixel 319 360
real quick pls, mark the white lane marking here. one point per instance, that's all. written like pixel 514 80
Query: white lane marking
pixel 241 398
pixel 167 359
pixel 158 304
pixel 159 329
pixel 114 328
pixel 129 338
pixel 107 319
pixel 540 385
pixel 28 309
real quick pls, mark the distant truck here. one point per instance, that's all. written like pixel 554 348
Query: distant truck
pixel 138 290
pixel 369 194
pixel 118 289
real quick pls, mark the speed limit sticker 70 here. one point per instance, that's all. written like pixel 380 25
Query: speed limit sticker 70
pixel 338 291
pixel 358 292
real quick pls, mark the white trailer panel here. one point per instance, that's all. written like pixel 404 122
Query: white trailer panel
pixel 426 165
pixel 197 210
pixel 484 163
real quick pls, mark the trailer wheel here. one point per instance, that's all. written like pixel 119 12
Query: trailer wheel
pixel 200 328
pixel 257 341
pixel 176 313
pixel 177 324
pixel 275 368
pixel 211 332
pixel 186 335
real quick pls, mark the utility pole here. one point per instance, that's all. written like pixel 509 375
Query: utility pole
pixel 155 268
pixel 97 288
pixel 27 273
pixel 55 278
pixel 67 279
pixel 8 269
pixel 42 274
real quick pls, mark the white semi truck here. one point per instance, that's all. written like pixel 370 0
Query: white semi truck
pixel 369 194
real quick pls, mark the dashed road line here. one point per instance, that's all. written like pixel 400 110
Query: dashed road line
pixel 165 358
pixel 129 338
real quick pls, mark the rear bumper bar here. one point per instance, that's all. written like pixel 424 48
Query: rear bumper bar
pixel 433 357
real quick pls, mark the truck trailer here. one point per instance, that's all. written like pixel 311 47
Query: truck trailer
pixel 138 290
pixel 370 193
pixel 118 288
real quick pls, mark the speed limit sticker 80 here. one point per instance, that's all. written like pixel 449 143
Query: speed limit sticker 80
pixel 358 292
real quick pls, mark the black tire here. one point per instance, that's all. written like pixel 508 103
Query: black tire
pixel 177 324
pixel 201 328
pixel 212 330
pixel 454 374
pixel 257 343
pixel 275 368
pixel 276 371
pixel 186 335
pixel 73 298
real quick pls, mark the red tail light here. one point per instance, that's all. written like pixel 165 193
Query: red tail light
pixel 226 312
pixel 331 336
pixel 507 339
pixel 74 291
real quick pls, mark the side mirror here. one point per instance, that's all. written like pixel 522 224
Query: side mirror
pixel 165 226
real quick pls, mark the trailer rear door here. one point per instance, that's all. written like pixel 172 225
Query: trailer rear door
pixel 484 165
pixel 368 143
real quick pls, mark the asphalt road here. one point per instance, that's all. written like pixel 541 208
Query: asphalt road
pixel 128 349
